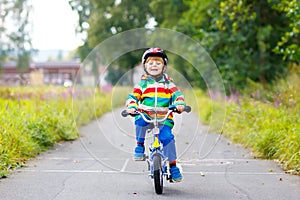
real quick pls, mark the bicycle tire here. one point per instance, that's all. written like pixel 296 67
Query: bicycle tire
pixel 158 174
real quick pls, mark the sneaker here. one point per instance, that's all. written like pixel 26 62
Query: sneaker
pixel 139 153
pixel 175 173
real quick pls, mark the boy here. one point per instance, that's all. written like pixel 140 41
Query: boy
pixel 156 89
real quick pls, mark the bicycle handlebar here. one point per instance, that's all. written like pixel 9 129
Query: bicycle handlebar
pixel 171 109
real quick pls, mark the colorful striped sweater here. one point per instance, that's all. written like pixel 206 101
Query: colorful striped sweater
pixel 151 93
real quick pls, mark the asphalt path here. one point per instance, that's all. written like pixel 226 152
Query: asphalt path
pixel 99 165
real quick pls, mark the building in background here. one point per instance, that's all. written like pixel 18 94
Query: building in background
pixel 39 73
pixel 64 73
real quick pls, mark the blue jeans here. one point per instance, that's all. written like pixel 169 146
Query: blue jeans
pixel 166 137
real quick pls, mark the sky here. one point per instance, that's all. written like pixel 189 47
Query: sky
pixel 54 25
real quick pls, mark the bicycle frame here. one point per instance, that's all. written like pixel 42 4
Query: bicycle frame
pixel 156 147
pixel 157 161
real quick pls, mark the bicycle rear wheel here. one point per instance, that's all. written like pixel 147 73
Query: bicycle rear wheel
pixel 158 174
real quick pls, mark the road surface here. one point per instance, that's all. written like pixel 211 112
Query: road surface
pixel 99 166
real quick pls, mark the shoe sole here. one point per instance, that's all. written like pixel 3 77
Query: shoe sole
pixel 139 158
pixel 176 181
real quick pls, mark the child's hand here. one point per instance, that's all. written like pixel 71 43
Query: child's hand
pixel 180 108
pixel 131 110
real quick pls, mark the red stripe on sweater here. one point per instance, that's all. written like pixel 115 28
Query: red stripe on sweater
pixel 137 90
pixel 180 99
pixel 159 90
pixel 174 89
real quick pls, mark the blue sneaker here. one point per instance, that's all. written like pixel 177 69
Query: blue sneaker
pixel 139 153
pixel 175 173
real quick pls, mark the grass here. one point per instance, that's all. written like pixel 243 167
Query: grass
pixel 267 120
pixel 35 118
pixel 272 133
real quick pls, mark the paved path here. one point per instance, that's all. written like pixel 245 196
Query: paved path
pixel 99 166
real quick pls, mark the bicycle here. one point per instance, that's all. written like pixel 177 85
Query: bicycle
pixel 157 161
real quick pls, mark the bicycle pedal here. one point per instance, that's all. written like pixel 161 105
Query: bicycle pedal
pixel 143 158
pixel 169 178
pixel 151 176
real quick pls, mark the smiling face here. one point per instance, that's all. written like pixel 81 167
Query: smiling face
pixel 154 66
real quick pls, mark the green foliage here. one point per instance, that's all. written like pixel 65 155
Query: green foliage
pixel 248 40
pixel 167 13
pixel 114 75
pixel 259 23
pixel 288 45
pixel 34 119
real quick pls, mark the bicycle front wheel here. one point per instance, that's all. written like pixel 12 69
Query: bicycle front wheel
pixel 158 174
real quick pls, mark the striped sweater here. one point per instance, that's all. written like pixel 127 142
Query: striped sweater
pixel 151 93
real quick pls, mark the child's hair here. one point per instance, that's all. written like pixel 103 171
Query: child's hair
pixel 154 59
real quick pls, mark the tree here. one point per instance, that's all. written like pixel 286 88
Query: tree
pixel 253 40
pixel 288 46
pixel 243 37
pixel 15 41
pixel 253 29
pixel 167 13
pixel 114 74
pixel 84 8
pixel 109 17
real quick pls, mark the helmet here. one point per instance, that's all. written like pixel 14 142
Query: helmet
pixel 155 52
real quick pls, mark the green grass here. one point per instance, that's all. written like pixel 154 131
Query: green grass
pixel 265 120
pixel 35 118
pixel 272 133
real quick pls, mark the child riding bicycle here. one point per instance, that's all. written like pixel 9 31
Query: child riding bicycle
pixel 156 89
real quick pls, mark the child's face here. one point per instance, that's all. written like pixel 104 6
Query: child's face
pixel 154 66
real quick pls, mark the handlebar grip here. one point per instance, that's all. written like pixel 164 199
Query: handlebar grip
pixel 124 113
pixel 187 109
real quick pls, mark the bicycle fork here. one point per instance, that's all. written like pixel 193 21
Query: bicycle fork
pixel 156 150
pixel 163 165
